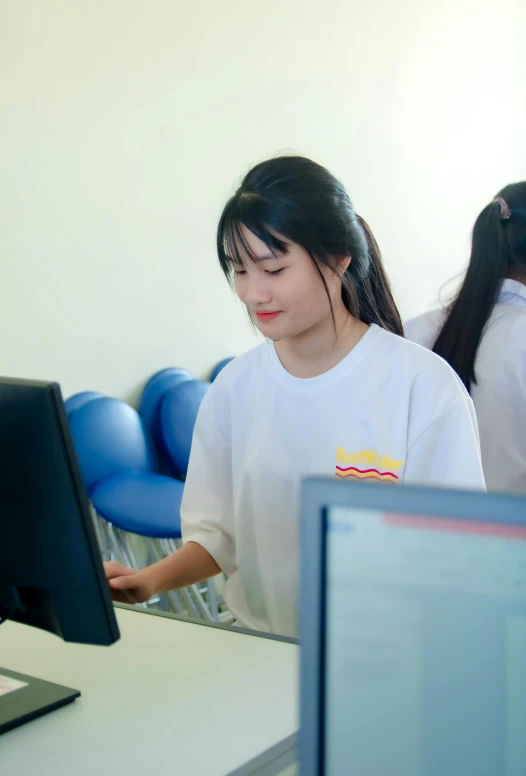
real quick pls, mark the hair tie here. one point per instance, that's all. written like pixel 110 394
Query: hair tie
pixel 505 212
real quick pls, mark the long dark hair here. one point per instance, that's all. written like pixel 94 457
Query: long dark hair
pixel 295 198
pixel 498 250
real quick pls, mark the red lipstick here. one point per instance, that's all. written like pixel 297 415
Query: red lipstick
pixel 268 316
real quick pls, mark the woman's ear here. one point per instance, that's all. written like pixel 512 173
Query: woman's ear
pixel 342 264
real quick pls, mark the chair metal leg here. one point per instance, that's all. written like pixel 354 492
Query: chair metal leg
pixel 213 600
pixel 105 531
pixel 193 611
pixel 201 604
pixel 97 528
pixel 112 548
pixel 99 525
pixel 121 547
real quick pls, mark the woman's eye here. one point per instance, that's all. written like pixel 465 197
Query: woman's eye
pixel 240 272
pixel 276 272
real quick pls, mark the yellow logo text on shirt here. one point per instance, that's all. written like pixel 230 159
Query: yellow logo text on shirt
pixel 367 465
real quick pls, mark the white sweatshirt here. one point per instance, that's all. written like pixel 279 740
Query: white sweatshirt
pixel 500 393
pixel 389 411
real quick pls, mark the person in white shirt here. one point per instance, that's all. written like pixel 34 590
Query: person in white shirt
pixel 333 390
pixel 482 335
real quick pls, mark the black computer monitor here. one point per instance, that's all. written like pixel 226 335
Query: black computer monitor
pixel 51 573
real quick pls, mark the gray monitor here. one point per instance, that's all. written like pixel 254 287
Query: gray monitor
pixel 413 632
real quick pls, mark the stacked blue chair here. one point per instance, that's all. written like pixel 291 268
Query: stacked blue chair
pixel 179 411
pixel 72 404
pixel 150 409
pixel 120 469
pixel 219 368
pixel 78 400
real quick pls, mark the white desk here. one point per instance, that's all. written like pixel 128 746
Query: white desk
pixel 170 698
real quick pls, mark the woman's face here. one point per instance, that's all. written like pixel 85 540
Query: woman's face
pixel 284 292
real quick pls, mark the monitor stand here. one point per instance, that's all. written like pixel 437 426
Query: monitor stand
pixel 23 698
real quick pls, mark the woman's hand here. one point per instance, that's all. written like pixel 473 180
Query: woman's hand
pixel 128 586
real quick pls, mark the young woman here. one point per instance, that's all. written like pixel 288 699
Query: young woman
pixel 333 390
pixel 482 334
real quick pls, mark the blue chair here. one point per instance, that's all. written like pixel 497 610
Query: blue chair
pixel 120 470
pixel 123 498
pixel 163 373
pixel 80 399
pixel 178 415
pixel 219 368
pixel 110 438
pixel 150 408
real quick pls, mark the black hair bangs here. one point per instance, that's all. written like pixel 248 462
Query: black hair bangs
pixel 247 211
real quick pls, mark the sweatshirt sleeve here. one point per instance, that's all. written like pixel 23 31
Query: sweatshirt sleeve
pixel 447 453
pixel 206 510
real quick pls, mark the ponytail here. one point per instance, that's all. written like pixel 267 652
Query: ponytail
pixel 498 248
pixel 373 296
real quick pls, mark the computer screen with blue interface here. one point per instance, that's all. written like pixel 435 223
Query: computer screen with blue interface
pixel 425 646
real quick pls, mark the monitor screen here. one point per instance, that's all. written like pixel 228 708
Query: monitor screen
pixel 424 654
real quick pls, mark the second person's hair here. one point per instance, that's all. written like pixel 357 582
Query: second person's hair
pixel 294 198
pixel 498 250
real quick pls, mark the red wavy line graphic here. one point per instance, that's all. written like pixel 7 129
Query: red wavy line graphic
pixel 367 471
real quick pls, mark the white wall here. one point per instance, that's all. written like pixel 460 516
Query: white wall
pixel 125 125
